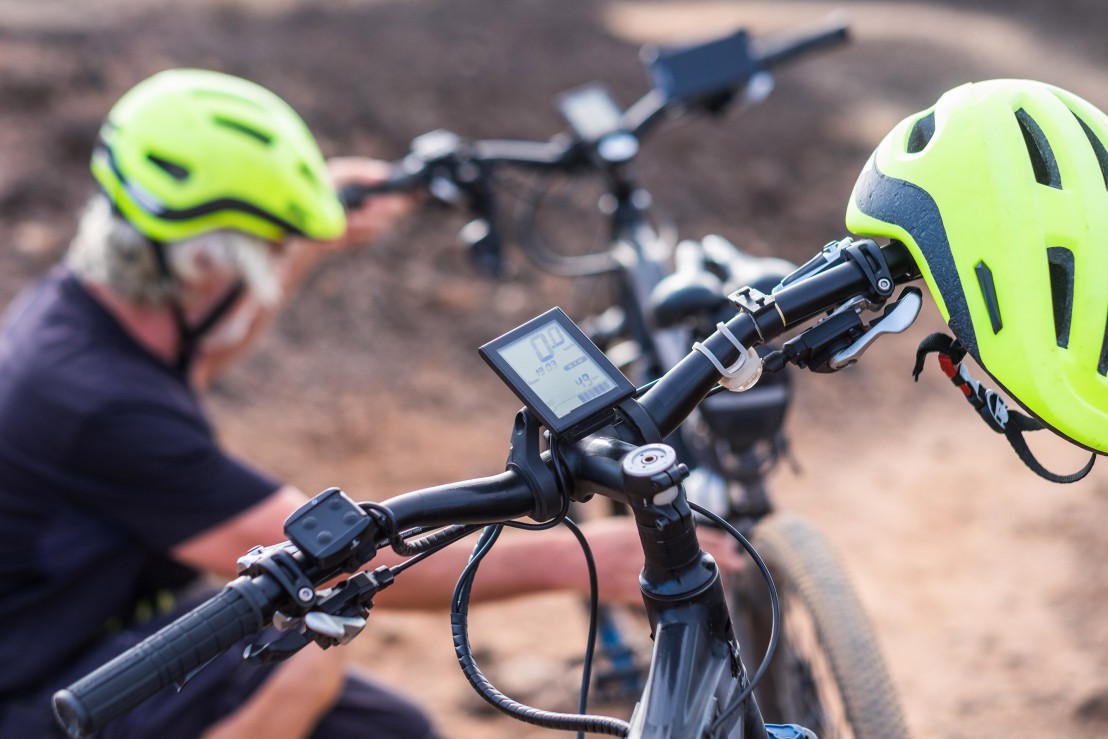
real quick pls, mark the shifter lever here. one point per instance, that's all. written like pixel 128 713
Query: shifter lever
pixel 898 317
pixel 339 628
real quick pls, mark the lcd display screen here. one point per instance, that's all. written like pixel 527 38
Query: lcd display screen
pixel 591 111
pixel 559 372
pixel 561 376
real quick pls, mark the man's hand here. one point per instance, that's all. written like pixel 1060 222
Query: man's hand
pixel 291 700
pixel 378 213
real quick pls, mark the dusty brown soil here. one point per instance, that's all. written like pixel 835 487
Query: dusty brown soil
pixel 987 585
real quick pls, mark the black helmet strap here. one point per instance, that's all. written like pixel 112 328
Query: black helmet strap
pixel 989 405
pixel 189 335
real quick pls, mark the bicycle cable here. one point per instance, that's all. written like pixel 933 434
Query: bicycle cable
pixel 775 618
pixel 560 478
pixel 582 723
pixel 594 619
pixel 398 540
pixel 431 547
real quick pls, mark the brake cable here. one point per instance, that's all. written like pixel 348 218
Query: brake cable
pixel 459 611
pixel 774 624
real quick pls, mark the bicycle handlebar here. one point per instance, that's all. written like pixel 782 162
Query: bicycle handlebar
pixel 242 608
pixel 773 52
pixel 417 172
pixel 464 164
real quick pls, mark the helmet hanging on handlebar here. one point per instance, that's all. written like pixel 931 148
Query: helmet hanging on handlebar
pixel 1000 191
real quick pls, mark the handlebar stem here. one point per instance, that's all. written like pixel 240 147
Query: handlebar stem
pixel 645 112
pixel 676 566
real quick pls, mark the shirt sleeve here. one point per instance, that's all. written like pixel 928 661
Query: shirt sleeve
pixel 160 476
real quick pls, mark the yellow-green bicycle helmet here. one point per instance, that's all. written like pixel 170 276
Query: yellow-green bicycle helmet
pixel 1000 192
pixel 189 151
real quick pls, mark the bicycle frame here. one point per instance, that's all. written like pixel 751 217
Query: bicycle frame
pixel 636 246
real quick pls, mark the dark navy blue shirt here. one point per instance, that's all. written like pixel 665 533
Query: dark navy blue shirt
pixel 106 462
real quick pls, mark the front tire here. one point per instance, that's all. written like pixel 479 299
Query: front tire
pixel 828 673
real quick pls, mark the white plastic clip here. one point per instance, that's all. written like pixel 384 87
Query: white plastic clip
pixel 744 373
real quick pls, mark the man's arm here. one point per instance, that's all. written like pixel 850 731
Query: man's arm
pixel 216 550
pixel 520 563
pixel 290 703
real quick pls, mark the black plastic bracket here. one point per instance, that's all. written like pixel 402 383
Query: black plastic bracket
pixel 867 255
pixel 278 562
pixel 525 458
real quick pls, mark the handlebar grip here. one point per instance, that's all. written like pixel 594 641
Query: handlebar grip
pixel 164 658
pixel 353 196
pixel 771 53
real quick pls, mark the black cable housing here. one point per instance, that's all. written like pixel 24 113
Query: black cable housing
pixel 459 613
pixel 727 713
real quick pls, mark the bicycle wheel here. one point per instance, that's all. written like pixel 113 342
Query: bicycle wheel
pixel 828 673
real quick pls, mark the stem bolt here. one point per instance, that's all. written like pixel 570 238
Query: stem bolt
pixel 649 460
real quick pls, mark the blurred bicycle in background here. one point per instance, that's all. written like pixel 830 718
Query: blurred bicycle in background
pixel 651 298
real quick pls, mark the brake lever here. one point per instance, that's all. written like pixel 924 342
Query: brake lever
pixel 277 650
pixel 323 628
pixel 340 629
pixel 897 318
pixel 338 615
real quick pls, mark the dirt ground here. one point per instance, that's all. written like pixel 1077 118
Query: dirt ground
pixel 987 585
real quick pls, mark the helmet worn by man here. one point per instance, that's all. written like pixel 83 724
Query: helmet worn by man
pixel 1000 192
pixel 192 154
pixel 189 151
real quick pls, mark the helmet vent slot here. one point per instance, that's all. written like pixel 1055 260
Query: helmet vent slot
pixel 306 173
pixel 1098 149
pixel 1061 290
pixel 1038 149
pixel 988 292
pixel 243 128
pixel 297 214
pixel 174 170
pixel 921 133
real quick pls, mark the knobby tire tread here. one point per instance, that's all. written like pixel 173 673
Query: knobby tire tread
pixel 802 562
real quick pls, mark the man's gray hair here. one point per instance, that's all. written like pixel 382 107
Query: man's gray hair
pixel 109 251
